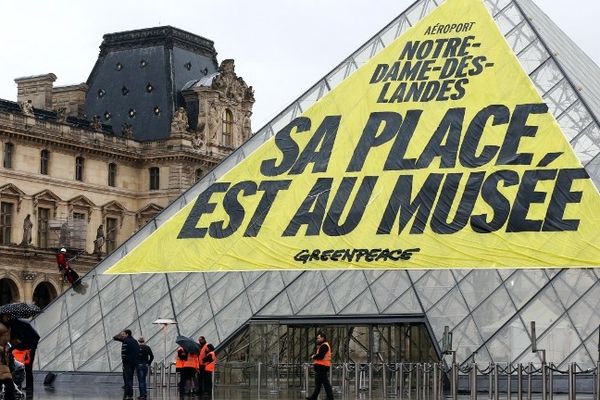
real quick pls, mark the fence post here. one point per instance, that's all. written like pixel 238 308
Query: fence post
pixel 356 379
pixel 474 381
pixel 169 377
pixel 529 381
pixel 598 378
pixel 435 382
pixel 401 381
pixel 509 381
pixel 370 366
pixel 418 381
pixel 454 383
pixel 544 381
pixel 572 382
pixel 550 382
pixel 496 384
pixel 384 377
pixel 490 380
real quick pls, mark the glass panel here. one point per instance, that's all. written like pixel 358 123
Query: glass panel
pixel 305 288
pixel 585 314
pixel 394 30
pixel 559 98
pixel 123 317
pixel 64 362
pixel 115 293
pixel 419 11
pixel 138 280
pixel 544 310
pixel 346 288
pixel 406 304
pixel 53 346
pixel 389 287
pixel 150 292
pixel 508 19
pixel 321 305
pixel 175 279
pixel 98 362
pixel 571 284
pixel 524 284
pixel 532 56
pixel 520 37
pixel 546 76
pixel 449 311
pixel 187 291
pixel 233 317
pixel 363 304
pixel 560 341
pixel 591 343
pixel 162 342
pixel 209 331
pixel 465 339
pixel 373 275
pixel 279 306
pixel 54 314
pixel 88 345
pixel 593 169
pixel 493 312
pixel 289 276
pixel 587 143
pixel 82 320
pixel 433 286
pixel 162 309
pixel 250 276
pixel 495 6
pixel 331 276
pixel 478 285
pixel 264 289
pixel 575 120
pixel 225 290
pixel 509 342
pixel 581 357
pixel 194 315
pixel 75 300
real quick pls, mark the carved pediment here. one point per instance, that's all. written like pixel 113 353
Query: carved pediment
pixel 12 192
pixel 81 202
pixel 45 196
pixel 114 208
pixel 147 212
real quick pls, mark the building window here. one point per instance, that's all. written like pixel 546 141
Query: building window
pixel 198 174
pixel 9 149
pixel 6 214
pixel 44 160
pixel 111 234
pixel 154 178
pixel 112 174
pixel 227 128
pixel 42 223
pixel 79 161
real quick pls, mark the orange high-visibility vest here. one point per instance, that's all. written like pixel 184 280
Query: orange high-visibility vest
pixel 23 356
pixel 191 362
pixel 202 355
pixel 178 361
pixel 326 361
pixel 210 367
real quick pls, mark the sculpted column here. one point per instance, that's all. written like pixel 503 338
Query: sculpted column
pixel 28 278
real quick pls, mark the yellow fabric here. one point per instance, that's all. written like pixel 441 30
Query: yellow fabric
pixel 444 118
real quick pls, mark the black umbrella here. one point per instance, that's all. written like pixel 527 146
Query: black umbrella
pixel 20 310
pixel 22 330
pixel 189 345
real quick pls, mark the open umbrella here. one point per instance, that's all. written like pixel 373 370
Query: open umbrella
pixel 189 345
pixel 22 330
pixel 20 310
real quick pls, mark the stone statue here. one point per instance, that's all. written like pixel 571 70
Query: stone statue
pixel 213 123
pixel 27 107
pixel 231 86
pixel 127 130
pixel 99 241
pixel 27 226
pixel 61 114
pixel 65 235
pixel 247 126
pixel 180 121
pixel 96 124
pixel 198 142
pixel 249 94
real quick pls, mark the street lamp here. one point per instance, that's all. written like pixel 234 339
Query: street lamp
pixel 165 322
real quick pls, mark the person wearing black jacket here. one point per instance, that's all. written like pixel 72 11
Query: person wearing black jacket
pixel 146 357
pixel 130 352
pixel 321 363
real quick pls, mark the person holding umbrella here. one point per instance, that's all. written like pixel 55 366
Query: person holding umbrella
pixel 5 358
pixel 26 340
pixel 188 353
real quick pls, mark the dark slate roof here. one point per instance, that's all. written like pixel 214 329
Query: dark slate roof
pixel 138 77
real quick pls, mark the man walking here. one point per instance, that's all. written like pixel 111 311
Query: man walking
pixel 322 363
pixel 130 352
pixel 146 357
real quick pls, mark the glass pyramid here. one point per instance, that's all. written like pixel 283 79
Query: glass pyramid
pixel 488 310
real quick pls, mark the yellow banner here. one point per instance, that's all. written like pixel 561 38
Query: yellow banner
pixel 437 153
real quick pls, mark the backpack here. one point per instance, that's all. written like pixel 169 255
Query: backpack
pixel 49 379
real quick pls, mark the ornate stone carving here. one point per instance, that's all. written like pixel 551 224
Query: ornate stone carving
pixel 247 126
pixel 180 121
pixel 198 141
pixel 28 276
pixel 127 130
pixel 27 107
pixel 61 114
pixel 99 241
pixel 27 227
pixel 96 124
pixel 214 120
pixel 231 87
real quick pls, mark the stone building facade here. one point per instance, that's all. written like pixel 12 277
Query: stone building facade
pixel 71 177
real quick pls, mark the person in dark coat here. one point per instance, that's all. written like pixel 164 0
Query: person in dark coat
pixel 146 357
pixel 130 352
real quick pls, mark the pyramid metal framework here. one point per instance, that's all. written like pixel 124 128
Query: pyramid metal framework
pixel 488 310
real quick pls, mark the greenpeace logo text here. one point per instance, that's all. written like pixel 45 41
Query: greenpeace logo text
pixel 354 255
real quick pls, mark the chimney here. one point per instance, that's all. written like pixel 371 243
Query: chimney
pixel 37 88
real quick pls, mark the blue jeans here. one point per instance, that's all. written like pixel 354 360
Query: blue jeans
pixel 128 371
pixel 142 372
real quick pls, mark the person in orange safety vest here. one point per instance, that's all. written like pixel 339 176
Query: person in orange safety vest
pixel 321 363
pixel 210 361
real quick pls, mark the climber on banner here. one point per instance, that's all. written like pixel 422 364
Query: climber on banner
pixel 64 268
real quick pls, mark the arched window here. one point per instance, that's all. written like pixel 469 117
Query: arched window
pixel 198 174
pixel 43 294
pixel 112 174
pixel 227 137
pixel 9 149
pixel 44 161
pixel 9 293
pixel 79 162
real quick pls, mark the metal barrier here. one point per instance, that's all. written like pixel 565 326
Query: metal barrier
pixel 406 381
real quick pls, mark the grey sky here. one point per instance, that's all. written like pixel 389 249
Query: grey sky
pixel 281 47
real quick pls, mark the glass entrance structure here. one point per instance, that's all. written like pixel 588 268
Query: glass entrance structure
pixel 487 310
